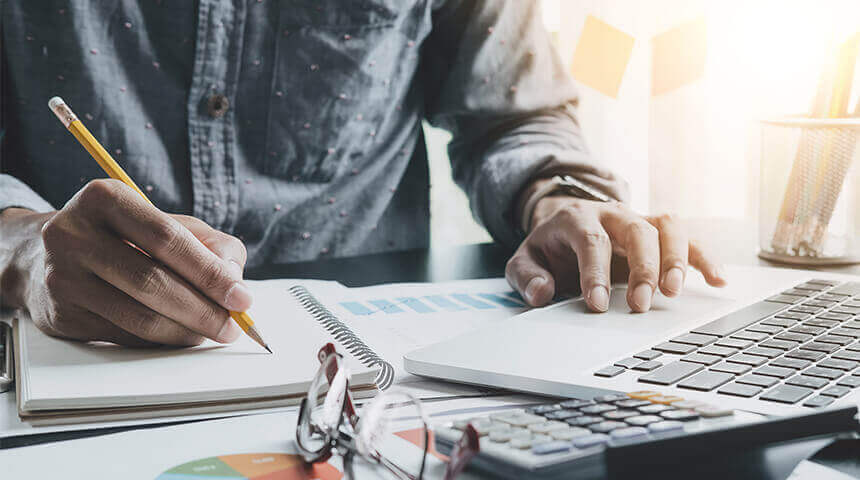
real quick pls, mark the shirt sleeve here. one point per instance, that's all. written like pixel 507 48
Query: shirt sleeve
pixel 494 80
pixel 15 193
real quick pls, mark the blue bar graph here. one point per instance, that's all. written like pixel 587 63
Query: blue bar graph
pixel 386 306
pixel 471 301
pixel 415 304
pixel 446 304
pixel 357 308
pixel 503 301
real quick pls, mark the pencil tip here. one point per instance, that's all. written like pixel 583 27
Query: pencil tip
pixel 267 348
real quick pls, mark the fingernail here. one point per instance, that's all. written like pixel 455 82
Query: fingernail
pixel 599 298
pixel 720 272
pixel 642 297
pixel 235 269
pixel 229 332
pixel 532 287
pixel 674 280
pixel 238 297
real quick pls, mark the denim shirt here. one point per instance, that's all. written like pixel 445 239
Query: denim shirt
pixel 292 124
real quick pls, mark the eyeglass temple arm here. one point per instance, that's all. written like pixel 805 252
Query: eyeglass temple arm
pixel 466 448
pixel 348 406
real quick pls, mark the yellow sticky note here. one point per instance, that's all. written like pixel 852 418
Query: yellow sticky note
pixel 678 56
pixel 601 56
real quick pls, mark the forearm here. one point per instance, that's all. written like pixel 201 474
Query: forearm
pixel 20 252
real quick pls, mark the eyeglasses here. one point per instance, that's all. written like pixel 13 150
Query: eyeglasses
pixel 329 425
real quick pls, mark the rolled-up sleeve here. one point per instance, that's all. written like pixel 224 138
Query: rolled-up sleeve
pixel 496 83
pixel 15 193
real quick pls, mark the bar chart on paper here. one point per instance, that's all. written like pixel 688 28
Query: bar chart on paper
pixel 251 466
pixel 435 303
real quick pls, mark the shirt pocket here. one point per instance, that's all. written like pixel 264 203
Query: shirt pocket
pixel 334 62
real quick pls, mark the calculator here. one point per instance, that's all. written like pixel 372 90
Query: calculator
pixel 623 432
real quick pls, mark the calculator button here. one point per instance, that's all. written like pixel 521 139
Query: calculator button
pixel 482 425
pixel 733 368
pixel 632 403
pixel 627 363
pixel 521 442
pixel 620 414
pixel 551 447
pixel 778 372
pixel 836 392
pixel 628 433
pixel 539 439
pixel 677 348
pixel 712 411
pixel 542 409
pixel 643 420
pixel 642 394
pixel 597 409
pixel 706 381
pixel 609 371
pixel 654 408
pixel 846 365
pixel 695 339
pixel 828 373
pixel 740 390
pixel 665 426
pixel 648 355
pixel 786 394
pixel 570 433
pixel 680 415
pixel 592 440
pixel 794 363
pixel 819 401
pixel 665 399
pixel 850 382
pixel 547 427
pixel 583 421
pixel 757 380
pixel 576 403
pixel 804 381
pixel 504 435
pixel 562 414
pixel 671 373
pixel 606 427
pixel 517 419
pixel 612 397
pixel 648 366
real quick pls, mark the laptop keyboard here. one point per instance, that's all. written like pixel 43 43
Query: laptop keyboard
pixel 801 346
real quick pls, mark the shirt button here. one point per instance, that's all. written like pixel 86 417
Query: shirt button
pixel 217 105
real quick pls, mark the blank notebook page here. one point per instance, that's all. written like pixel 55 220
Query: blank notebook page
pixel 59 374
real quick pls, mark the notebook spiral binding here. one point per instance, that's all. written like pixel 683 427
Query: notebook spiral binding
pixel 344 335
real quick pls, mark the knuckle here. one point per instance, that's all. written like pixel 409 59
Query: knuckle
pixel 151 280
pixel 667 219
pixel 571 213
pixel 641 228
pixel 594 238
pixel 644 271
pixel 98 192
pixel 52 231
pixel 167 239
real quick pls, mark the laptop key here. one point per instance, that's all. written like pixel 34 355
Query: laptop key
pixel 818 303
pixel 855 324
pixel 808 382
pixel 836 392
pixel 793 315
pixel 733 368
pixel 717 350
pixel 778 372
pixel 850 288
pixel 836 339
pixel 808 330
pixel 671 373
pixel 815 287
pixel 648 355
pixel 695 339
pixel 747 359
pixel 850 382
pixel 779 322
pixel 676 348
pixel 846 354
pixel 819 322
pixel 793 337
pixel 609 371
pixel 845 309
pixel 823 281
pixel 769 329
pixel 702 358
pixel 846 332
pixel 819 401
pixel 780 344
pixel 810 355
pixel 733 343
pixel 805 309
pixel 831 297
pixel 795 363
pixel 764 352
pixel 740 390
pixel 757 380
pixel 839 317
pixel 648 366
pixel 629 362
pixel 799 293
pixel 748 335
pixel 854 347
pixel 838 364
pixel 733 322
pixel 786 394
pixel 820 347
pixel 787 299
pixel 706 381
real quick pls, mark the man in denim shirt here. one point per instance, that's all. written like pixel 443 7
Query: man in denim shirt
pixel 286 131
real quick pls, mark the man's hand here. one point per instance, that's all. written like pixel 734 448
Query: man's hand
pixel 572 238
pixel 83 274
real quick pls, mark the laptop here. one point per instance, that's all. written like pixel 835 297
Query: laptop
pixel 774 341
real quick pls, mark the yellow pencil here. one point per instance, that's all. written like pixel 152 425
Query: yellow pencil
pixel 109 165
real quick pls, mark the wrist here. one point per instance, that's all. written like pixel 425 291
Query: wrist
pixel 20 250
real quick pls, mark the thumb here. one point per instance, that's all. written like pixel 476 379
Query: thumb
pixel 530 279
pixel 222 244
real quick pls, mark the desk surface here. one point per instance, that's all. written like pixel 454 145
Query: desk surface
pixel 737 245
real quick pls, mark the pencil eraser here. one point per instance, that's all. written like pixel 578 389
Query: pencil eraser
pixel 55 102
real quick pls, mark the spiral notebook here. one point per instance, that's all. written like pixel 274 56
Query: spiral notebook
pixel 72 382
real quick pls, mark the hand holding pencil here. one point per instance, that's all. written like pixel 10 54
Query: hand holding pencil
pixel 112 267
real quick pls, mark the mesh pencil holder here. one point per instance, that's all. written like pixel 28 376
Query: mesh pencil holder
pixel 809 200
